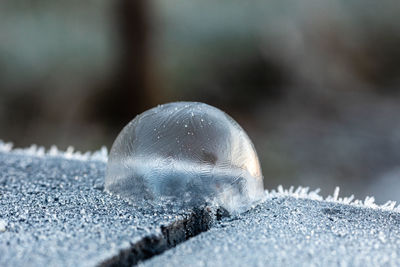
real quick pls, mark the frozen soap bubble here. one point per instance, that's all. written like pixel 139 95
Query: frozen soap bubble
pixel 189 151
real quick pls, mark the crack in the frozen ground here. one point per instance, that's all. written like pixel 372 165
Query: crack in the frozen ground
pixel 171 235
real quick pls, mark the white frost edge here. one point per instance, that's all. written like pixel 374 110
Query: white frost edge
pixel 299 192
pixel 40 151
pixel 305 193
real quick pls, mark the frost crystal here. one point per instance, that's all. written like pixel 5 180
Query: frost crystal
pixel 185 150
pixel 3 225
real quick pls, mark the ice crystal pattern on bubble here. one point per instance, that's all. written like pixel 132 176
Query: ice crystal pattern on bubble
pixel 185 150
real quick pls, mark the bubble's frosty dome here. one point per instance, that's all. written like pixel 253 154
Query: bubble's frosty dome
pixel 186 150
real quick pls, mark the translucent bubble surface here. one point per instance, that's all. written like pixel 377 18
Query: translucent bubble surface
pixel 189 151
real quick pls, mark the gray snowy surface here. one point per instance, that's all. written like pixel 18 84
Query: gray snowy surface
pixel 53 212
pixel 285 231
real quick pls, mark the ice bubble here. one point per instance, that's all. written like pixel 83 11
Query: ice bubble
pixel 188 151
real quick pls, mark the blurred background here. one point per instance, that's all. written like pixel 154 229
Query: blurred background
pixel 315 83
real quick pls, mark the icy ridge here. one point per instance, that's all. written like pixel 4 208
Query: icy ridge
pixel 70 153
pixel 304 192
pixel 299 192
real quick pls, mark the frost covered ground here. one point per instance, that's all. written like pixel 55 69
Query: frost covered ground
pixel 285 231
pixel 53 211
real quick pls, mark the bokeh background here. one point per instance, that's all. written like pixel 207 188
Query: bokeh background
pixel 315 83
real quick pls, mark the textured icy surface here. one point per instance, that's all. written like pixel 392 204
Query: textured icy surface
pixel 53 212
pixel 187 150
pixel 286 231
pixel 40 151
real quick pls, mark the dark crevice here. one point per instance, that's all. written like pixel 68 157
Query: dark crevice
pixel 197 222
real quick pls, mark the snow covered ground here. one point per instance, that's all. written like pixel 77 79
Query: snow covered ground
pixel 53 211
pixel 289 231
